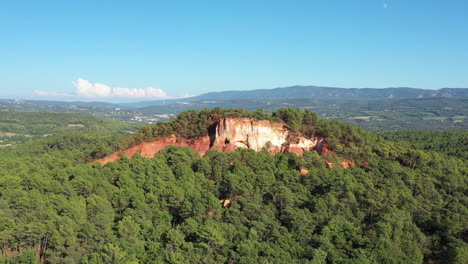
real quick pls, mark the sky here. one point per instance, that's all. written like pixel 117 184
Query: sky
pixel 147 50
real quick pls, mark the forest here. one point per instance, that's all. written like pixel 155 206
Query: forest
pixel 404 202
pixel 19 127
pixel 452 143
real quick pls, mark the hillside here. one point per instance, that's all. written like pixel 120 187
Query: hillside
pixel 372 115
pixel 18 127
pixel 398 205
pixel 229 134
pixel 318 93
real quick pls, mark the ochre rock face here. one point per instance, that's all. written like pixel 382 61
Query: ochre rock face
pixel 303 144
pixel 323 149
pixel 348 163
pixel 233 133
pixel 228 135
pixel 149 149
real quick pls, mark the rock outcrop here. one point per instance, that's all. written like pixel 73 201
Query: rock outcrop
pixel 149 149
pixel 233 133
pixel 345 164
pixel 303 170
pixel 227 202
pixel 228 134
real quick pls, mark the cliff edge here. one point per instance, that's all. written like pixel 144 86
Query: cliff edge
pixel 227 135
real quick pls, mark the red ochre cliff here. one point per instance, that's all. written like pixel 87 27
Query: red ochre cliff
pixel 149 149
pixel 228 135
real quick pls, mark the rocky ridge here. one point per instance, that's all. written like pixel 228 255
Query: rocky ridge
pixel 228 134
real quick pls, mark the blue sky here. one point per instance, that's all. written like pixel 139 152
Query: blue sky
pixel 133 50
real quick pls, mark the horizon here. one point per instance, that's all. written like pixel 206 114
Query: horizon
pixel 111 52
pixel 138 100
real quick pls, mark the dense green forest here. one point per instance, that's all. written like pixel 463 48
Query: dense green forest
pixel 401 204
pixel 454 143
pixel 18 127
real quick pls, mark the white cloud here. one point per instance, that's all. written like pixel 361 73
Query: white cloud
pixel 86 88
pixel 139 92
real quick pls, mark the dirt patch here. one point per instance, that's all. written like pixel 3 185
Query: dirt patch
pixel 362 117
pixel 8 134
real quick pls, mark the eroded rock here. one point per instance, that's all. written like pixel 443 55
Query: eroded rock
pixel 232 133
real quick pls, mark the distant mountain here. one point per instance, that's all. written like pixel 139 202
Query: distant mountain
pixel 315 92
pixel 293 92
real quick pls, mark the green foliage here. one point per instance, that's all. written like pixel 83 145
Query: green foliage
pixel 74 147
pixel 19 127
pixel 452 143
pixel 401 205
pixel 291 116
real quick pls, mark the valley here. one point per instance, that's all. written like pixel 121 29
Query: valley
pixel 374 111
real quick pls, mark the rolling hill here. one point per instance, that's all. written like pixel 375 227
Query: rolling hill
pixel 317 92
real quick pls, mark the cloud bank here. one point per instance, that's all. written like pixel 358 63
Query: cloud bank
pixel 85 88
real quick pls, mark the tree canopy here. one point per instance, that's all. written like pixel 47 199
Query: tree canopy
pixel 399 205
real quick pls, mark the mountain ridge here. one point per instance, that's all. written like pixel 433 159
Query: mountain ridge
pixel 288 92
pixel 321 92
pixel 317 92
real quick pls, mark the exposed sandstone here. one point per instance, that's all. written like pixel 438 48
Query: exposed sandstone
pixel 149 149
pixel 233 133
pixel 227 202
pixel 228 135
pixel 346 164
